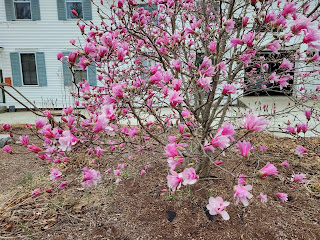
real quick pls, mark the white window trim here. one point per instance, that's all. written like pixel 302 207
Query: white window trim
pixel 72 1
pixel 35 60
pixel 15 11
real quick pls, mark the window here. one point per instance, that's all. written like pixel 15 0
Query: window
pixel 150 9
pixel 29 69
pixel 256 81
pixel 74 5
pixel 22 9
pixel 79 74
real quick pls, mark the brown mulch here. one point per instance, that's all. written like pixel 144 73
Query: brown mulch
pixel 134 208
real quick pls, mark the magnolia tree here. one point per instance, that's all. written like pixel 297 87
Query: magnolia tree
pixel 168 73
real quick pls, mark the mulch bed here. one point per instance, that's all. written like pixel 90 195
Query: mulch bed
pixel 134 209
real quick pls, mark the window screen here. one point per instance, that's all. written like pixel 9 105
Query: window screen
pixel 74 5
pixel 22 9
pixel 29 71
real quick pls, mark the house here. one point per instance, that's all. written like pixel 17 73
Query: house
pixel 31 34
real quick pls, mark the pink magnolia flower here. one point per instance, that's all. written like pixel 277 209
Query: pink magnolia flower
pixel 248 38
pixel 241 193
pixel 67 141
pixel 24 140
pixel 176 84
pixel 40 122
pixel 36 192
pixel 34 148
pixel 300 150
pixel 241 179
pixel 7 149
pixel 98 151
pixel 285 163
pixel 74 12
pixel 283 197
pixel 117 172
pixel 205 82
pixel 72 57
pixel 302 127
pixel 245 21
pixel 142 172
pixel 290 129
pixel 6 126
pixel 229 25
pixel 274 46
pixel 262 148
pixel 254 123
pixel 244 147
pixel 174 162
pixel 300 24
pixel 55 174
pixel 171 150
pixel 189 176
pixel 59 55
pixel 176 64
pixel 286 64
pixel 213 46
pixel 263 198
pixel 175 98
pixel 218 206
pixel 299 178
pixel 307 113
pixel 174 180
pixel 312 36
pixel 221 141
pixel 62 185
pixel 90 177
pixel 267 170
pixel 229 89
pixel 235 41
pixel 289 8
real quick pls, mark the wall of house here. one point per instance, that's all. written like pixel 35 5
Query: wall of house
pixel 48 35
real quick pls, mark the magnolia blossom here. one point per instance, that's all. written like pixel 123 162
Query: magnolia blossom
pixel 286 64
pixel 241 193
pixel 299 178
pixel 62 185
pixel 267 170
pixel 263 198
pixel 274 46
pixel 212 46
pixel 90 177
pixel 189 176
pixel 174 180
pixel 67 141
pixel 283 197
pixel 40 122
pixel 36 192
pixel 229 25
pixel 175 98
pixel 244 147
pixel 285 164
pixel 7 149
pixel 300 150
pixel 205 82
pixel 55 174
pixel 254 123
pixel 307 113
pixel 218 206
pixel 229 89
pixel 34 148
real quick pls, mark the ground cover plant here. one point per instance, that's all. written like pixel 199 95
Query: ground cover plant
pixel 169 73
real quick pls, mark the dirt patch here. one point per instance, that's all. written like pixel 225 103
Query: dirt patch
pixel 134 209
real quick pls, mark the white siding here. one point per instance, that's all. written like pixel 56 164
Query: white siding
pixel 48 35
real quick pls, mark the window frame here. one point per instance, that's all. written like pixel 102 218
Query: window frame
pixel 80 69
pixel 21 70
pixel 15 10
pixel 73 1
